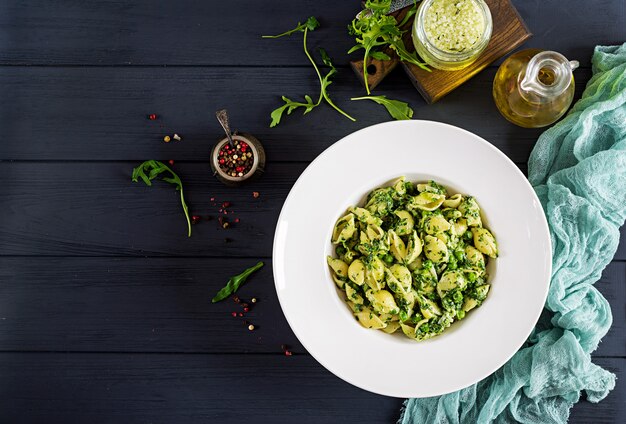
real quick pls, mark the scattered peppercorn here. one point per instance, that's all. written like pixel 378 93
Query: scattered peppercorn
pixel 225 225
pixel 236 299
pixel 171 161
pixel 240 314
pixel 237 220
pixel 152 116
pixel 195 219
pixel 226 204
pixel 251 327
pixel 177 137
pixel 253 300
pixel 255 194
pixel 167 139
pixel 246 309
pixel 288 353
pixel 234 314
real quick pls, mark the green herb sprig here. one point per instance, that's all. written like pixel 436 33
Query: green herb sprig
pixel 290 105
pixel 234 282
pixel 309 24
pixel 397 109
pixel 375 29
pixel 154 168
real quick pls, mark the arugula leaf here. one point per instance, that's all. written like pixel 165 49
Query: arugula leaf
pixel 325 81
pixel 311 24
pixel 376 29
pixel 156 168
pixel 397 109
pixel 380 56
pixel 234 282
pixel 289 106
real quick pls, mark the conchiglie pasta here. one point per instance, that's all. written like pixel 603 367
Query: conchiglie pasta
pixel 426 201
pixel 412 258
pixel 485 242
pixel 435 249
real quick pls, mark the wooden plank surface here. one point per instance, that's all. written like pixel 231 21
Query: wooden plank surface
pixel 209 388
pixel 163 305
pixel 188 32
pixel 105 312
pixel 100 113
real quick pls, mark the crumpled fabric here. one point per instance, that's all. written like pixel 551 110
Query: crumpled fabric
pixel 578 170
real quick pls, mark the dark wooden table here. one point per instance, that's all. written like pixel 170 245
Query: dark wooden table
pixel 105 312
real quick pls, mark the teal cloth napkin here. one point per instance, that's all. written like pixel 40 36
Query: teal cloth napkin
pixel 578 169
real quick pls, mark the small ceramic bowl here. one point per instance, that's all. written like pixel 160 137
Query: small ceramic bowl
pixel 258 164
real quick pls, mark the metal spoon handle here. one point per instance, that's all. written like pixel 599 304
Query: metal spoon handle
pixel 222 117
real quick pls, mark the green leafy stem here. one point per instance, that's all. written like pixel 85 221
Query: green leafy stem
pixel 290 105
pixel 151 169
pixel 374 28
pixel 235 282
pixel 397 109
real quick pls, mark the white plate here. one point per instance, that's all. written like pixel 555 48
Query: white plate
pixel 394 365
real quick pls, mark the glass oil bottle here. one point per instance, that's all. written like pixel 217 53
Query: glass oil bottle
pixel 534 88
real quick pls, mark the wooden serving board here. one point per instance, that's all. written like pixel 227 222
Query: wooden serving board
pixel 509 32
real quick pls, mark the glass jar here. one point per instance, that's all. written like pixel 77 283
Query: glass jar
pixel 451 34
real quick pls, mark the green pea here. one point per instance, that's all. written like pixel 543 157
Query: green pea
pixel 457 296
pixel 388 258
pixel 340 250
pixel 471 277
pixel 459 254
pixel 460 314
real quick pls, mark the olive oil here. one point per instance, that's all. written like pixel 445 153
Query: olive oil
pixel 534 88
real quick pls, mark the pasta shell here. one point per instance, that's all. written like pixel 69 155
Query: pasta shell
pixel 353 295
pixel 382 301
pixel 453 201
pixel 426 201
pixel 413 249
pixel 391 327
pixel 485 242
pixel 338 266
pixel 363 215
pixel 396 246
pixel 460 227
pixel 356 272
pixel 406 223
pixel 399 186
pixel 435 249
pixel 450 280
pixel 436 224
pixel 368 319
pixel 471 211
pixel 344 229
pixel 475 257
pixel 403 275
pixel 428 308
pixel 374 232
